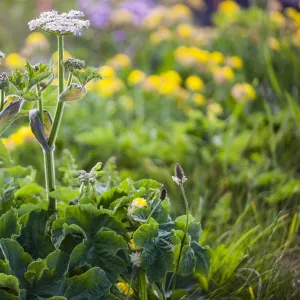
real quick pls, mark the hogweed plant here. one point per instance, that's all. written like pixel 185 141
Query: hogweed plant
pixel 97 237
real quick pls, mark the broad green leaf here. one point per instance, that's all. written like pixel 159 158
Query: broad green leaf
pixel 4 295
pixel 64 194
pixel 91 285
pixel 4 152
pixel 187 261
pixel 36 73
pixel 158 250
pixel 103 252
pixel 34 237
pixel 10 283
pixel 9 225
pixel 73 92
pixel 202 258
pixel 16 256
pixel 18 80
pixel 30 193
pixel 35 270
pixel 110 196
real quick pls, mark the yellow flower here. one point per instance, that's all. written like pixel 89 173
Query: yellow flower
pixel 66 55
pixel 277 18
pixel 135 77
pixel 234 62
pixel 107 71
pixel 216 57
pixel 22 136
pixel 194 83
pixel 229 7
pixel 155 17
pixel 197 4
pixel 222 74
pixel 243 91
pixel 133 246
pixel 296 38
pixel 162 34
pixel 14 61
pixel 213 110
pixel 180 12
pixel 119 61
pixel 184 31
pixel 37 40
pixel 124 288
pixel 273 43
pixel 139 203
pixel 152 83
pixel 122 16
pixel 109 86
pixel 198 99
pixel 169 82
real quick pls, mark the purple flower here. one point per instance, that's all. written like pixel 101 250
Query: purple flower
pixel 120 35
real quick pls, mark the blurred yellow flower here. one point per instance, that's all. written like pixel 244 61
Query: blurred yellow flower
pixel 198 99
pixel 136 77
pixel 222 74
pixel 234 62
pixel 180 12
pixel 184 31
pixel 119 61
pixel 213 110
pixel 22 136
pixel 122 16
pixel 14 61
pixel 155 17
pixel 66 55
pixel 169 82
pixel 107 71
pixel 243 91
pixel 277 18
pixel 191 55
pixel 293 14
pixel 37 40
pixel 139 202
pixel 296 38
pixel 152 83
pixel 273 43
pixel 162 34
pixel 194 83
pixel 216 57
pixel 197 4
pixel 109 86
pixel 127 103
pixel 229 7
pixel 133 246
pixel 124 288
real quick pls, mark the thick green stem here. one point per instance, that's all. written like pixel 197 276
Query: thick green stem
pixel 60 104
pixel 142 285
pixel 50 179
pixel 2 97
pixel 183 239
pixel 49 156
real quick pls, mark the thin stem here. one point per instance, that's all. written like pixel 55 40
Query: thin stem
pixel 2 97
pixel 69 79
pixel 153 210
pixel 183 239
pixel 60 104
pixel 50 179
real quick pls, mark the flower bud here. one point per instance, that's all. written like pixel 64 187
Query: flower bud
pixel 179 177
pixel 38 130
pixel 163 194
pixel 4 82
pixel 72 93
pixel 72 64
pixel 11 110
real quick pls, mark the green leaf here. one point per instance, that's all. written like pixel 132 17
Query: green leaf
pixel 18 80
pixel 57 298
pixel 64 194
pixel 187 261
pixel 10 283
pixel 34 237
pixel 16 256
pixel 86 75
pixel 202 258
pixel 73 92
pixel 4 152
pixel 30 193
pixel 158 250
pixel 29 96
pixel 35 270
pixel 91 285
pixel 50 96
pixel 108 197
pixel 36 73
pixel 103 252
pixel 9 225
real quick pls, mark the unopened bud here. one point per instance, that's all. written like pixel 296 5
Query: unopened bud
pixel 72 64
pixel 163 194
pixel 179 177
pixel 11 110
pixel 72 93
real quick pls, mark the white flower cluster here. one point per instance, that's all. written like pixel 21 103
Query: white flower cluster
pixel 60 23
pixel 136 259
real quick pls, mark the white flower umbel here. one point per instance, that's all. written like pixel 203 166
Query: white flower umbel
pixel 60 23
pixel 136 259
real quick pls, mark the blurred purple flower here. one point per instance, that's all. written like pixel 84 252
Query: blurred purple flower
pixel 99 11
pixel 120 35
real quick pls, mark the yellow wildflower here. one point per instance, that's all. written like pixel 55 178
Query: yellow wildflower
pixel 296 38
pixel 122 17
pixel 216 57
pixel 136 77
pixel 124 288
pixel 107 71
pixel 277 18
pixel 222 74
pixel 194 83
pixel 14 61
pixel 229 7
pixel 169 82
pixel 152 83
pixel 22 136
pixel 162 34
pixel 273 43
pixel 198 99
pixel 37 40
pixel 234 62
pixel 184 31
pixel 243 91
pixel 197 4
pixel 180 12
pixel 133 246
pixel 139 202
pixel 119 61
pixel 109 86
pixel 213 110
pixel 155 17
